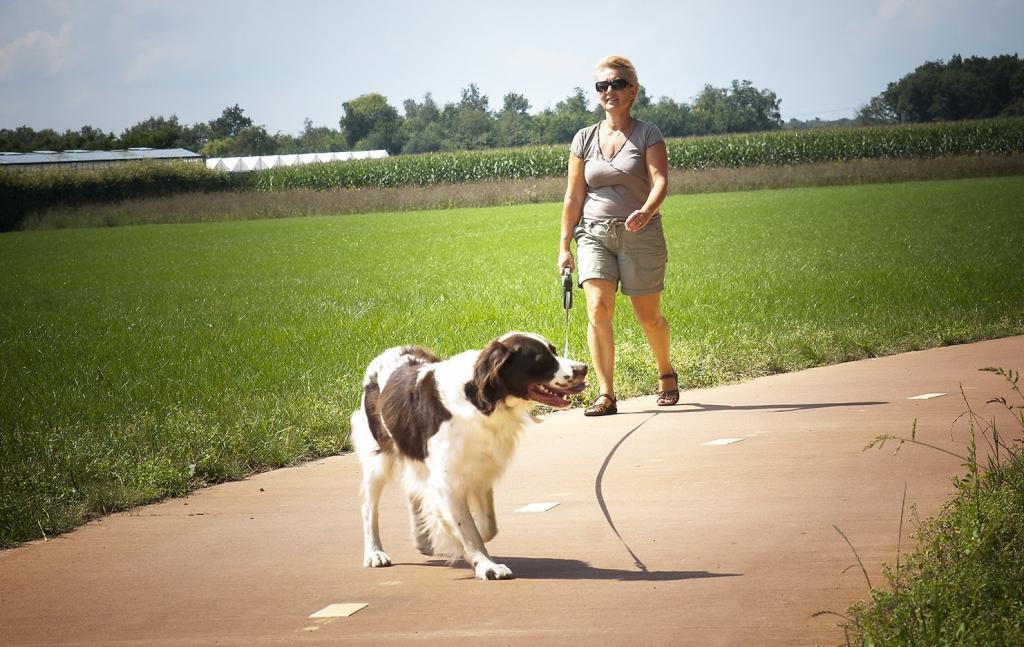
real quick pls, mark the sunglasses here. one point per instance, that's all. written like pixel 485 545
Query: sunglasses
pixel 615 84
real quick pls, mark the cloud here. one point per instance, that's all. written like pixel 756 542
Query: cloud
pixel 149 63
pixel 37 53
pixel 917 14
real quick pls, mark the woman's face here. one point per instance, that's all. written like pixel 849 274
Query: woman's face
pixel 612 98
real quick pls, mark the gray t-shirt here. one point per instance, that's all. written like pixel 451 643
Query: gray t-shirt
pixel 619 186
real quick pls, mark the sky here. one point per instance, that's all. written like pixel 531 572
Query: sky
pixel 111 64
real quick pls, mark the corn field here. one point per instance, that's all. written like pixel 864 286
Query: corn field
pixel 998 137
pixel 35 190
pixel 419 170
pixel 990 137
pixel 24 192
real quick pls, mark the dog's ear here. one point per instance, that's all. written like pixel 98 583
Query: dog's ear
pixel 488 388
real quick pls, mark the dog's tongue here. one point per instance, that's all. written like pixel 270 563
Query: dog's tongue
pixel 553 397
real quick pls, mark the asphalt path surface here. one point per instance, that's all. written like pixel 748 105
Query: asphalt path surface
pixel 710 523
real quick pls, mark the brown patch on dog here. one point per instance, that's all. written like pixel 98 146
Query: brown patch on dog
pixel 371 405
pixel 488 387
pixel 411 409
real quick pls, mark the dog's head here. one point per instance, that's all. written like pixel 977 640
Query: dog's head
pixel 524 366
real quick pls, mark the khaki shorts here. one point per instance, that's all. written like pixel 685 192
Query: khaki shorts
pixel 605 250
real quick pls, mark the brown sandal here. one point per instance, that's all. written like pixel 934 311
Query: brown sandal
pixel 669 397
pixel 601 409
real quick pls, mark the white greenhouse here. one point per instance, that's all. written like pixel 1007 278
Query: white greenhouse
pixel 263 162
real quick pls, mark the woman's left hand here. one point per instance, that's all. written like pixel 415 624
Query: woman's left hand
pixel 638 220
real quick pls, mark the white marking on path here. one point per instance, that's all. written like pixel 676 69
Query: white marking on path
pixel 722 441
pixel 339 610
pixel 543 506
pixel 926 396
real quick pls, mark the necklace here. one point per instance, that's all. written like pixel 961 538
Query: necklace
pixel 612 138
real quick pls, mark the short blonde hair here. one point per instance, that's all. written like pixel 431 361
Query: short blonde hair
pixel 620 64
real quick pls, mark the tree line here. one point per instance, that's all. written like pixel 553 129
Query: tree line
pixel 975 87
pixel 971 88
pixel 369 122
pixel 232 133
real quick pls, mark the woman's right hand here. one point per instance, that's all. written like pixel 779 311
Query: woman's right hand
pixel 565 260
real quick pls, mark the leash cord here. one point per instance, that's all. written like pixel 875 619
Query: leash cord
pixel 566 354
pixel 566 303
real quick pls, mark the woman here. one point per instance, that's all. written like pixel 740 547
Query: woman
pixel 618 178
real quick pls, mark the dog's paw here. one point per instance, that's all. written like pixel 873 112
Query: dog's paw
pixel 376 559
pixel 490 571
pixel 425 549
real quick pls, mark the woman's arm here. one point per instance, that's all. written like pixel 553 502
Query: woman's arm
pixel 572 209
pixel 657 166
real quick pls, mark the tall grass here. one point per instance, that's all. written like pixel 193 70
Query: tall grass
pixel 143 361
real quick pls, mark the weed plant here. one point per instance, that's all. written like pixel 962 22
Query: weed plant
pixel 141 362
pixel 964 584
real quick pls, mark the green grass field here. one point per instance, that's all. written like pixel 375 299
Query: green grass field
pixel 143 361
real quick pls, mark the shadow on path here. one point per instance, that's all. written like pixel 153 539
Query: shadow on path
pixel 544 568
pixel 651 414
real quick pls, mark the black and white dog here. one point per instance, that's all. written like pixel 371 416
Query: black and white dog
pixel 451 428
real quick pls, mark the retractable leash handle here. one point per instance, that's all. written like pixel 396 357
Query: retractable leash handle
pixel 566 288
pixel 566 303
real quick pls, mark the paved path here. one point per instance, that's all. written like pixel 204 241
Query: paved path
pixel 658 538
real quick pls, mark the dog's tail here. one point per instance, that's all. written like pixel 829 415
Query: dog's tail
pixel 432 531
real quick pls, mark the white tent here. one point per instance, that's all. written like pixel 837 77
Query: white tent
pixel 264 162
pixel 271 161
pixel 234 164
pixel 260 162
